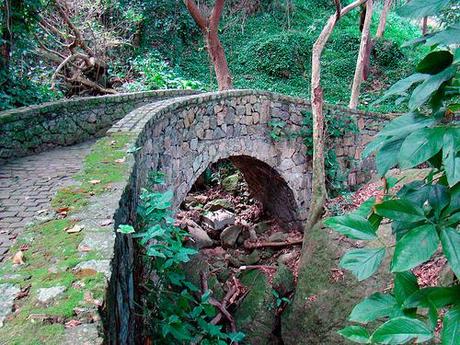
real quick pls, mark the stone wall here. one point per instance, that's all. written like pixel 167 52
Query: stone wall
pixel 28 130
pixel 181 137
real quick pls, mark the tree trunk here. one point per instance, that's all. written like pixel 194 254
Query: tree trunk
pixel 209 27
pixel 383 19
pixel 424 25
pixel 363 52
pixel 319 191
pixel 5 46
pixel 217 56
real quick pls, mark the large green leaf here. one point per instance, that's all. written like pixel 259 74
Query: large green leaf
pixel 363 262
pixel 449 36
pixel 450 156
pixel 400 87
pixel 372 146
pixel 415 247
pixel 424 91
pixel 400 330
pixel 400 210
pixel 435 62
pixel 450 334
pixel 420 146
pixel 405 284
pixel 450 240
pixel 375 306
pixel 352 226
pixel 357 334
pixel 422 8
pixel 387 156
pixel 436 296
pixel 438 198
pixel 405 124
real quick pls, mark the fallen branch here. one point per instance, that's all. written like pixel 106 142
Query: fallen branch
pixel 249 245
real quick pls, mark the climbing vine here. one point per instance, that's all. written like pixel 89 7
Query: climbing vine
pixel 175 310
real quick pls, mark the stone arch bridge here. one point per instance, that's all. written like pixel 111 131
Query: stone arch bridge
pixel 180 134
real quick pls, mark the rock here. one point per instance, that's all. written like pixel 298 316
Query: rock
pixel 219 219
pixel 101 266
pixel 283 280
pixel 8 293
pixel 250 259
pixel 218 204
pixel 285 258
pixel 47 295
pixel 278 237
pixel 229 235
pixel 100 241
pixel 83 334
pixel 261 227
pixel 230 183
pixel 200 238
pixel 256 314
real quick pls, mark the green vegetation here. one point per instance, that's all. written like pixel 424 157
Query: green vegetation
pixel 424 214
pixel 174 307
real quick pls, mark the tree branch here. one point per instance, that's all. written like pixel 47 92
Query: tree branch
pixel 215 15
pixel 200 20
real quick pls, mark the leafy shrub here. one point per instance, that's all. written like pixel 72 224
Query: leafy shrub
pixel 281 55
pixel 175 311
pixel 386 53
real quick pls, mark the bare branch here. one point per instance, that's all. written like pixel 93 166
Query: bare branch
pixel 200 20
pixel 215 15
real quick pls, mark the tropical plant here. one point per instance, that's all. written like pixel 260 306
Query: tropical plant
pixel 425 213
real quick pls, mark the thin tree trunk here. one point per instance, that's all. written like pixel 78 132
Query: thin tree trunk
pixel 209 27
pixel 5 46
pixel 383 19
pixel 363 52
pixel 424 25
pixel 319 192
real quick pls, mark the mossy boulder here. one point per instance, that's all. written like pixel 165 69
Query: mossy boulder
pixel 255 316
pixel 230 183
pixel 322 304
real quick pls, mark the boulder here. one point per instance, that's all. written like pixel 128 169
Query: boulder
pixel 200 238
pixel 219 219
pixel 278 237
pixel 47 295
pixel 229 235
pixel 230 183
pixel 256 314
pixel 8 293
pixel 283 280
pixel 218 204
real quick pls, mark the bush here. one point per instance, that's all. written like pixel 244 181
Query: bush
pixel 386 53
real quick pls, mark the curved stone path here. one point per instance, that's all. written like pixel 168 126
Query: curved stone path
pixel 28 184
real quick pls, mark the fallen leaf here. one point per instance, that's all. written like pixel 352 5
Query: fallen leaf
pixel 18 258
pixel 74 229
pixel 24 292
pixel 42 211
pixel 84 248
pixel 121 160
pixel 24 247
pixel 95 181
pixel 113 142
pixel 72 323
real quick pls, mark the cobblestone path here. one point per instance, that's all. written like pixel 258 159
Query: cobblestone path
pixel 28 184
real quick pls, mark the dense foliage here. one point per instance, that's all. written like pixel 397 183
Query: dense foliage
pixel 424 214
pixel 175 311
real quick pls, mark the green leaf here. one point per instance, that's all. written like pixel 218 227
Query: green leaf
pixel 435 62
pixel 420 146
pixel 422 8
pixel 363 262
pixel 400 330
pixel 414 248
pixel 450 240
pixel 357 334
pixel 400 210
pixel 372 146
pixel 405 284
pixel 438 198
pixel 451 327
pixel 387 156
pixel 125 229
pixel 437 296
pixel 450 157
pixel 423 92
pixel 352 226
pixel 406 124
pixel 400 87
pixel 375 306
pixel 446 37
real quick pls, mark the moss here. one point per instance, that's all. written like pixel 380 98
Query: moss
pixel 32 334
